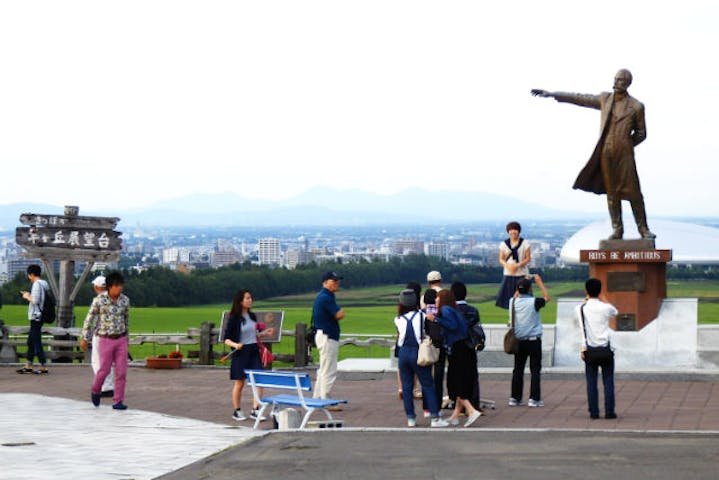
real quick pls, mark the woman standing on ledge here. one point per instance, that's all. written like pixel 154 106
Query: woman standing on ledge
pixel 514 256
pixel 241 334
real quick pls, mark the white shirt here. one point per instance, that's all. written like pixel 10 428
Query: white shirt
pixel 596 320
pixel 417 324
pixel 521 253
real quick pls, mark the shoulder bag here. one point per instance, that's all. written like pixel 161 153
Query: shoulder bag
pixel 428 354
pixel 594 354
pixel 511 344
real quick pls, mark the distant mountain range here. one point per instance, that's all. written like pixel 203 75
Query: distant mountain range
pixel 320 206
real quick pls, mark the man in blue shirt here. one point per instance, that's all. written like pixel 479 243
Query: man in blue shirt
pixel 326 315
pixel 528 330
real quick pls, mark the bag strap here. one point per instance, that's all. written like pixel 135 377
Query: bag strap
pixel 584 327
pixel 512 300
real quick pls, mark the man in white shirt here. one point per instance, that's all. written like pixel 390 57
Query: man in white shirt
pixel 593 317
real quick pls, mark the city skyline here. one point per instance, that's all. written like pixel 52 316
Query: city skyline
pixel 131 105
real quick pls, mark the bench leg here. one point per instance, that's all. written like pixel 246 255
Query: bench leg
pixel 306 418
pixel 260 412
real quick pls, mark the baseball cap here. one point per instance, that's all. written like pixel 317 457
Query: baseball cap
pixel 434 276
pixel 524 285
pixel 331 276
pixel 99 281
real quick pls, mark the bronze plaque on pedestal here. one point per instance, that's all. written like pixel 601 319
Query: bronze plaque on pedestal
pixel 626 322
pixel 626 281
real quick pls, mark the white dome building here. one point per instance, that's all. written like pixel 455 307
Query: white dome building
pixel 690 243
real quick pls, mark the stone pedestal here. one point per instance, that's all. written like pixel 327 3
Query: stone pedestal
pixel 670 342
pixel 634 280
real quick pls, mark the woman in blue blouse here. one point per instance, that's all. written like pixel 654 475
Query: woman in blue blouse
pixel 462 370
pixel 241 334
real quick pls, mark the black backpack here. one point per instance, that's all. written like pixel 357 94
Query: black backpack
pixel 47 312
pixel 475 333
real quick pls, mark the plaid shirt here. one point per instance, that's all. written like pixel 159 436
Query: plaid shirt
pixel 106 317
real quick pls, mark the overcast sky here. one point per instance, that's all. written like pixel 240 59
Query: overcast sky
pixel 117 104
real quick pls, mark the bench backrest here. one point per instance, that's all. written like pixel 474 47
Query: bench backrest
pixel 280 380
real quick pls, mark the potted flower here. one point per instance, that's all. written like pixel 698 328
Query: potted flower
pixel 169 361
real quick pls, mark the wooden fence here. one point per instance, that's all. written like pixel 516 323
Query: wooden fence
pixel 63 344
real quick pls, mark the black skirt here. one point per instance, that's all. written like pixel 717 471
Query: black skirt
pixel 506 291
pixel 462 371
pixel 247 358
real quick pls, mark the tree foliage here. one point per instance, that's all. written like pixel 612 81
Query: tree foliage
pixel 162 287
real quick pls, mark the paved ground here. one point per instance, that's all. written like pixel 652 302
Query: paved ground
pixel 665 426
pixel 204 394
pixel 48 437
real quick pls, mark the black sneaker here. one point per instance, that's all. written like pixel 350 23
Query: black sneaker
pixel 238 415
pixel 24 370
pixel 119 406
pixel 95 398
pixel 255 413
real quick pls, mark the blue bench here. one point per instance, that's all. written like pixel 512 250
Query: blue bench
pixel 295 381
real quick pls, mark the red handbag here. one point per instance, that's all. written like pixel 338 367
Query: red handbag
pixel 266 356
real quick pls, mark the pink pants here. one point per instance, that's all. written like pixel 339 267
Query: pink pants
pixel 112 350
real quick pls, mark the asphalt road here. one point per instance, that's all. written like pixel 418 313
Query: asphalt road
pixel 457 454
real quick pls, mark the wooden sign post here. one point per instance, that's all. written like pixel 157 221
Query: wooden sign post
pixel 68 238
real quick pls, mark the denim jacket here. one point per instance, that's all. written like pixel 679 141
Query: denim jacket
pixel 454 328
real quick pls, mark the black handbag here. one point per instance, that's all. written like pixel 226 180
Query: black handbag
pixel 598 354
pixel 595 354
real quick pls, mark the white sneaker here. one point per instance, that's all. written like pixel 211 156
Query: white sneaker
pixel 513 402
pixel 411 422
pixel 238 415
pixel 535 403
pixel 454 421
pixel 438 422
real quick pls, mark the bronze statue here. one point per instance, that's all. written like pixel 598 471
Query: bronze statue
pixel 611 168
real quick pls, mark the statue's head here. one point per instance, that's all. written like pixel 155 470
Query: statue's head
pixel 622 80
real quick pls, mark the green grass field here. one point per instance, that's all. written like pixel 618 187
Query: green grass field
pixel 369 311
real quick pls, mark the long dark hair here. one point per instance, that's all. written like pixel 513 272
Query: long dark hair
pixel 236 310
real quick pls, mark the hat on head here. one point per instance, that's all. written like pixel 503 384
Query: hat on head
pixel 99 281
pixel 407 298
pixel 331 276
pixel 434 276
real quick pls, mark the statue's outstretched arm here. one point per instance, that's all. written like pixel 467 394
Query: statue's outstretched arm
pixel 537 92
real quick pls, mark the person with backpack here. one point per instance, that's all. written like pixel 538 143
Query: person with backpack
pixel 35 298
pixel 462 371
pixel 471 316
